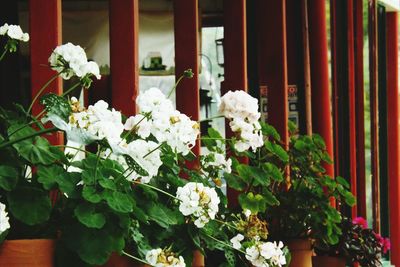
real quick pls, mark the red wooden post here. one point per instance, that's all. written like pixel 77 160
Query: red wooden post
pixel 373 80
pixel 124 47
pixel 273 62
pixel 321 100
pixel 235 59
pixel 351 97
pixel 186 25
pixel 359 105
pixel 393 104
pixel 45 35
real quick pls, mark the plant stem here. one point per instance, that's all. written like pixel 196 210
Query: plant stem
pixel 11 142
pixel 176 84
pixel 156 189
pixel 212 118
pixel 41 91
pixel 3 54
pixel 70 89
pixel 153 150
pixel 135 258
pixel 227 224
pixel 225 244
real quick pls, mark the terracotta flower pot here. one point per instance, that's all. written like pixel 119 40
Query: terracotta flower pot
pixel 116 260
pixel 198 259
pixel 327 261
pixel 301 251
pixel 29 252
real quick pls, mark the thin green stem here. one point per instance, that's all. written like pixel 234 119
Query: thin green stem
pixel 176 84
pixel 227 224
pixel 11 142
pixel 135 258
pixel 41 91
pixel 71 89
pixel 76 148
pixel 3 54
pixel 212 118
pixel 156 189
pixel 153 150
pixel 225 244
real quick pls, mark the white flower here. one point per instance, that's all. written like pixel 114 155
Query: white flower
pixel 239 104
pixel 90 68
pixel 4 29
pixel 160 258
pixel 70 60
pixel 141 123
pixel 214 164
pixel 236 241
pixel 167 124
pixel 198 201
pixel 247 213
pixel 264 254
pixel 4 223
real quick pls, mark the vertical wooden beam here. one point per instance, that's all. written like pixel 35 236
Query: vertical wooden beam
pixel 186 25
pixel 393 105
pixel 273 62
pixel 124 47
pixel 359 105
pixel 235 60
pixel 373 80
pixel 45 35
pixel 321 99
pixel 351 97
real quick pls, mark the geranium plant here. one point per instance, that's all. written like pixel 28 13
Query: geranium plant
pixel 126 193
pixel 357 244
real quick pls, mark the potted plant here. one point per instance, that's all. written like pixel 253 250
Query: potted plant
pixel 287 187
pixel 357 244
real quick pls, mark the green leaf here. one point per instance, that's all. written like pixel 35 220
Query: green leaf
pixel 47 175
pixel 214 133
pixel 133 165
pixel 29 205
pixel 194 235
pixel 349 199
pixel 235 181
pixel 270 199
pixel 38 152
pixel 270 131
pixel 8 177
pixel 343 182
pixel 86 214
pixel 248 173
pixel 273 171
pixel 56 105
pixel 254 203
pixel 108 184
pixel 230 257
pixel 162 215
pixel 90 194
pixel 277 150
pixel 119 202
pixel 319 141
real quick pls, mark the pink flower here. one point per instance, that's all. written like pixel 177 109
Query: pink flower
pixel 361 221
pixel 386 245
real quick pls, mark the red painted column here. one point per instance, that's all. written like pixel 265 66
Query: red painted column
pixel 45 35
pixel 359 106
pixel 321 99
pixel 273 62
pixel 235 60
pixel 186 26
pixel 124 47
pixel 393 104
pixel 351 96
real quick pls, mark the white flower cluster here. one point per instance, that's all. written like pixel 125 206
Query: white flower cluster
pixel 236 241
pixel 165 123
pixel 145 153
pixel 97 122
pixel 70 60
pixel 242 110
pixel 266 254
pixel 4 223
pixel 14 32
pixel 214 163
pixel 199 201
pixel 160 258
